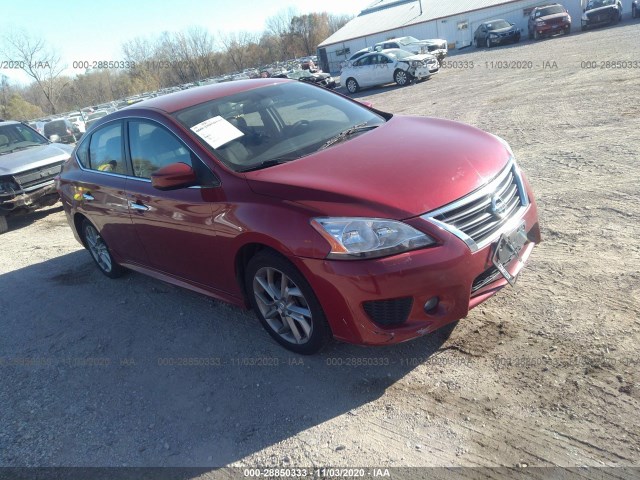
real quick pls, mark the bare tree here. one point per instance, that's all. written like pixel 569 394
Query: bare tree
pixel 236 46
pixel 32 55
pixel 336 22
pixel 5 95
pixel 279 27
pixel 311 29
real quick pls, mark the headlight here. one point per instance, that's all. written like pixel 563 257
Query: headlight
pixel 541 23
pixel 584 17
pixel 8 186
pixel 493 35
pixel 354 237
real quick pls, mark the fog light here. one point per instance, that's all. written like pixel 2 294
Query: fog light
pixel 431 305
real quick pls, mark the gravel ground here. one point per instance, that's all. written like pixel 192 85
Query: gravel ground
pixel 543 374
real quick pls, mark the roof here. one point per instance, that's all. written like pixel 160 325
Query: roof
pixel 385 15
pixel 172 102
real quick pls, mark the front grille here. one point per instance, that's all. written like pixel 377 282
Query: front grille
pixel 38 176
pixel 485 278
pixel 389 312
pixel 478 217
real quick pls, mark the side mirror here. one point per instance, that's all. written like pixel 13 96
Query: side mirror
pixel 174 176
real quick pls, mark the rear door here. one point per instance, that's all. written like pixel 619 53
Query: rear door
pixel 100 190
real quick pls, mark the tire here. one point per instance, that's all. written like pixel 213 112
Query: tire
pixel 536 35
pixel 352 85
pixel 4 226
pixel 488 42
pixel 634 12
pixel 567 30
pixel 583 28
pixel 100 251
pixel 517 40
pixel 402 78
pixel 285 304
pixel 475 43
pixel 530 35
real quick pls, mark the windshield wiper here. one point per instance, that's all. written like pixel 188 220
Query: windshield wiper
pixel 265 164
pixel 361 127
pixel 24 147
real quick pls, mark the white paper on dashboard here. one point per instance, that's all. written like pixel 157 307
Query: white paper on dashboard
pixel 216 131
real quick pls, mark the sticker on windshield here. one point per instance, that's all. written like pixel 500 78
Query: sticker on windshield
pixel 216 131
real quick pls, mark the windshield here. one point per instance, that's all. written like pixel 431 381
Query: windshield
pixel 407 40
pixel 498 24
pixel 599 3
pixel 93 116
pixel 273 124
pixel 18 137
pixel 398 53
pixel 552 10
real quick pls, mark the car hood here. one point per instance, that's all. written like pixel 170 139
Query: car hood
pixel 404 168
pixel 34 157
pixel 554 16
pixel 601 9
pixel 503 30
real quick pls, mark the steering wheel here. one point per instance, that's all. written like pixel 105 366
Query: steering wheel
pixel 300 126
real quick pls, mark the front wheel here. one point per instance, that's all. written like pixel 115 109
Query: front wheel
pixel 352 85
pixel 634 12
pixel 536 35
pixel 475 43
pixel 100 251
pixel 488 43
pixel 285 304
pixel 4 225
pixel 401 77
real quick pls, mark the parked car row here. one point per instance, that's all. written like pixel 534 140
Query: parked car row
pixel 551 19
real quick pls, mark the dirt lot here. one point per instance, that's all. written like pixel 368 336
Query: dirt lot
pixel 543 374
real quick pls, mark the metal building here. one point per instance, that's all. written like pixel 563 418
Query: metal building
pixel 452 20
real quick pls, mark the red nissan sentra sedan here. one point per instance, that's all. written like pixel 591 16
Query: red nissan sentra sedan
pixel 327 217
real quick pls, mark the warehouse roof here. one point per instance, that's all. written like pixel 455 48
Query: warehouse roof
pixel 384 15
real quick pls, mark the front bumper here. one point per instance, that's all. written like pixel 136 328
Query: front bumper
pixel 28 201
pixel 447 271
pixel 504 40
pixel 422 72
pixel 552 29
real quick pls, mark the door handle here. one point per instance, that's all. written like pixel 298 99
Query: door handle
pixel 138 206
pixel 88 197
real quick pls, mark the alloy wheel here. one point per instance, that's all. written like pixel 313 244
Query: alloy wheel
pixel 98 249
pixel 283 305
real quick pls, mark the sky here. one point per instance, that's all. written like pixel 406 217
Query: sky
pixel 84 30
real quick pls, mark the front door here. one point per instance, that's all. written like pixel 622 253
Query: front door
pixel 176 227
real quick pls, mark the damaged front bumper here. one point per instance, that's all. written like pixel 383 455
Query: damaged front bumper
pixel 16 201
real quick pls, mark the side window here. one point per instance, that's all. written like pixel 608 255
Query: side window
pixel 153 147
pixel 105 150
pixel 82 153
pixel 28 134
